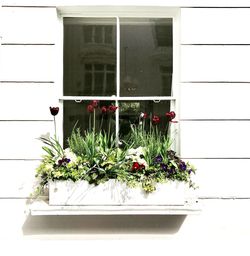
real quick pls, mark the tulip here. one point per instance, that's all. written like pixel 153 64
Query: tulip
pixel 156 119
pixel 170 116
pixel 95 103
pixel 104 110
pixel 144 115
pixel 54 110
pixel 112 108
pixel 90 108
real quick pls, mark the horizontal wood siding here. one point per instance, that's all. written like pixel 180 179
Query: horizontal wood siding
pixel 222 177
pixel 27 101
pixel 215 63
pixel 28 87
pixel 215 139
pixel 28 63
pixel 215 26
pixel 214 101
pixel 214 98
pixel 29 25
pixel 19 139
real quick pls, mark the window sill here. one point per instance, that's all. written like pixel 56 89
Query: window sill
pixel 42 208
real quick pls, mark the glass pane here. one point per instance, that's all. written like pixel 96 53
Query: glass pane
pixel 86 50
pixel 108 35
pixel 78 115
pixel 130 114
pixel 98 34
pixel 146 52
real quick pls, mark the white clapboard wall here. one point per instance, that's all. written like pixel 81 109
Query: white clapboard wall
pixel 214 88
pixel 28 71
pixel 214 98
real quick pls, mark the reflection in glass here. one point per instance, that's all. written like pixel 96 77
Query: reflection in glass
pixel 89 56
pixel 79 116
pixel 146 57
pixel 130 114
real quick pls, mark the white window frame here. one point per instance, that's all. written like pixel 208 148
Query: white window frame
pixel 124 12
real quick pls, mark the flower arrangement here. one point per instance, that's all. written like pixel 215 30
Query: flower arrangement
pixel 142 158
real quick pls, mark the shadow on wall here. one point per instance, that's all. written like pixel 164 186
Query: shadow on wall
pixel 95 224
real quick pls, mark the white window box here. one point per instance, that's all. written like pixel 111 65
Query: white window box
pixel 113 192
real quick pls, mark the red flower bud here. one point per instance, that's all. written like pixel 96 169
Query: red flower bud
pixel 104 110
pixel 156 119
pixel 170 116
pixel 54 110
pixel 90 108
pixel 144 115
pixel 95 103
pixel 112 108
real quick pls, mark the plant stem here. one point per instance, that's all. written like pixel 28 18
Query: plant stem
pixel 89 122
pixel 101 123
pixel 109 128
pixel 94 121
pixel 55 125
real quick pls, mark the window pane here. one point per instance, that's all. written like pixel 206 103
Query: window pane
pixel 77 115
pixel 130 112
pixel 146 47
pixel 87 50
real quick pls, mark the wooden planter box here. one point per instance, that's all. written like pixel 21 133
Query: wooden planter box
pixel 113 192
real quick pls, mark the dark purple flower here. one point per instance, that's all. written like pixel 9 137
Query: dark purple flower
pixel 158 159
pixel 171 170
pixel 183 166
pixel 67 160
pixel 63 161
pixel 54 110
pixel 164 167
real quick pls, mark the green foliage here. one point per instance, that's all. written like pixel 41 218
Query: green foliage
pixel 144 160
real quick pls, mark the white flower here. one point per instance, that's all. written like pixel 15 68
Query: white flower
pixel 136 152
pixel 70 155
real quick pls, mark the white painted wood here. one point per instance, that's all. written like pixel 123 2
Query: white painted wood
pixel 29 25
pixel 215 26
pixel 28 63
pixel 180 3
pixel 17 178
pixel 222 177
pixel 114 192
pixel 215 63
pixel 214 101
pixel 215 139
pixel 27 101
pixel 19 139
pixel 42 208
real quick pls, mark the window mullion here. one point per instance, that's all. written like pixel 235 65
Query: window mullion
pixel 117 76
